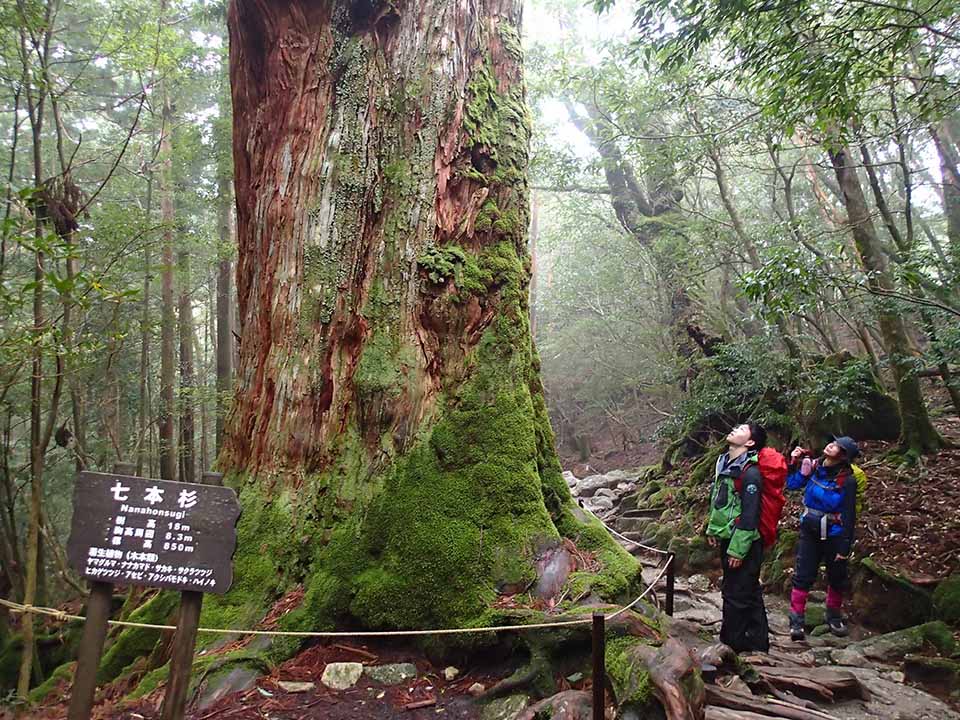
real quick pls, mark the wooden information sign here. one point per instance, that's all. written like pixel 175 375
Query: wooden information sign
pixel 129 530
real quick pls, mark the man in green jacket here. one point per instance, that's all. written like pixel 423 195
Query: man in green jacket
pixel 733 526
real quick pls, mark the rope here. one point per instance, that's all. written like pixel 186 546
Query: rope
pixel 63 616
pixel 624 538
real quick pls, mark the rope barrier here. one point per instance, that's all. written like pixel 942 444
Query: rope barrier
pixel 623 537
pixel 63 616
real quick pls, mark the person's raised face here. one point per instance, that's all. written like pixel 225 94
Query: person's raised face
pixel 740 435
pixel 833 451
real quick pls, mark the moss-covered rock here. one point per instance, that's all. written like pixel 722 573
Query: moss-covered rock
pixel 777 571
pixel 894 645
pixel 887 601
pixel 702 556
pixel 816 616
pixel 946 600
pixel 939 674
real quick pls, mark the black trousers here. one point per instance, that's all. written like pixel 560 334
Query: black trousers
pixel 811 552
pixel 744 626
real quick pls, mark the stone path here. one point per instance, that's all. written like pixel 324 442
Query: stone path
pixel 698 600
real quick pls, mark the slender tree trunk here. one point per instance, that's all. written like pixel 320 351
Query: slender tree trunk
pixel 166 422
pixel 188 400
pixel 389 417
pixel 918 434
pixel 144 418
pixel 225 306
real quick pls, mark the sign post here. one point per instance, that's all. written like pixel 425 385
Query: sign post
pixel 157 533
pixel 184 642
pixel 91 644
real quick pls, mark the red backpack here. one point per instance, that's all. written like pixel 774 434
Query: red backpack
pixel 773 469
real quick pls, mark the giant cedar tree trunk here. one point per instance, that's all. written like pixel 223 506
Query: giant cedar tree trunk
pixel 389 431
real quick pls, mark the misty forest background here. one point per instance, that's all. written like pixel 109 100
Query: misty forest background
pixel 730 218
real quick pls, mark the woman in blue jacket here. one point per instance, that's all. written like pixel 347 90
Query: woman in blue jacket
pixel 826 528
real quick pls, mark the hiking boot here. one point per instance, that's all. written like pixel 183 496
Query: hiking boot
pixel 796 627
pixel 838 626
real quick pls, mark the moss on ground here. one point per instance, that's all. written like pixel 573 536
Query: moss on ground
pixel 64 673
pixel 133 643
pixel 946 600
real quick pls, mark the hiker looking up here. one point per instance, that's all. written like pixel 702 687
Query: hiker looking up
pixel 826 528
pixel 734 525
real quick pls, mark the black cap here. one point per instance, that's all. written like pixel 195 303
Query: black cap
pixel 849 445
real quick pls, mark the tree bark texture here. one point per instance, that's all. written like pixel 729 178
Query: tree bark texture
pixel 918 434
pixel 389 425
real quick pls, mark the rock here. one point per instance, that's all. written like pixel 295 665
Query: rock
pixel 887 601
pixel 946 600
pixel 702 556
pixel 589 485
pixel 237 680
pixel 894 645
pixel 939 674
pixel 816 615
pixel 390 674
pixel 292 686
pixel 598 504
pixel 820 630
pixel 846 656
pixel 895 676
pixel 606 492
pixel 554 565
pixel 698 583
pixel 631 524
pixel 508 708
pixel 450 673
pixel 735 684
pixel 476 690
pixel 341 675
pixel 626 487
pixel 822 655
pixel 570 479
pixel 817 596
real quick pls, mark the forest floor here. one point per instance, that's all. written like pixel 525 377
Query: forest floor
pixel 910 523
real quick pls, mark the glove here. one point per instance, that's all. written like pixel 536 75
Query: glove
pixel 806 467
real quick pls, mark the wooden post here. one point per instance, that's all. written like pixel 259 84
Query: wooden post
pixel 599 666
pixel 94 633
pixel 91 647
pixel 184 642
pixel 671 576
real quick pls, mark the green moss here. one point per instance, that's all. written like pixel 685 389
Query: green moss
pixel 778 566
pixel 64 673
pixel 451 261
pixel 946 600
pixel 631 682
pixel 133 643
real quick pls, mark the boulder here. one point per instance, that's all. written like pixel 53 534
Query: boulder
pixel 606 492
pixel 598 504
pixel 887 601
pixel 946 600
pixel 293 686
pixel 895 645
pixel 846 656
pixel 570 479
pixel 341 675
pixel 588 486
